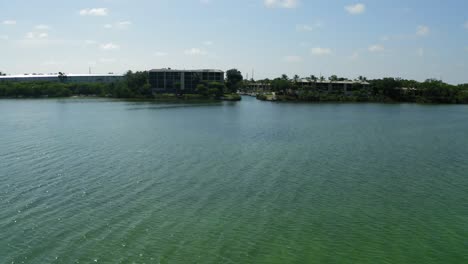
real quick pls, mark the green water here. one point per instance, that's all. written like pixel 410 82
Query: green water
pixel 86 181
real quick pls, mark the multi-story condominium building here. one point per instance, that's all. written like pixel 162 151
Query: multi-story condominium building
pixel 182 81
pixel 318 85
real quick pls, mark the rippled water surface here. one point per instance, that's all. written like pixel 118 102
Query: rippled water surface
pixel 86 181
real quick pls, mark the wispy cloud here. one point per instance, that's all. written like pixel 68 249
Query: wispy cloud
pixel 318 51
pixel 42 27
pixel 94 12
pixel 356 9
pixel 9 22
pixel 90 42
pixel 36 35
pixel 420 52
pixel 53 63
pixel 293 59
pixel 281 3
pixel 124 24
pixel 119 25
pixel 109 46
pixel 208 43
pixel 194 52
pixel 307 27
pixel 107 60
pixel 354 56
pixel 466 25
pixel 422 31
pixel 385 38
pixel 376 48
pixel 160 54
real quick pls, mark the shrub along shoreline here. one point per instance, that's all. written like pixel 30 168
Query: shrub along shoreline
pixel 386 90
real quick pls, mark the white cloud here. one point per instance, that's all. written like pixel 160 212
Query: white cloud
pixel 107 60
pixel 94 12
pixel 42 27
pixel 422 30
pixel 160 54
pixel 354 56
pixel 385 38
pixel 124 24
pixel 305 27
pixel 9 22
pixel 318 51
pixel 293 59
pixel 356 9
pixel 195 51
pixel 420 52
pixel 110 46
pixel 119 25
pixel 4 37
pixel 376 48
pixel 53 63
pixel 281 3
pixel 90 42
pixel 36 35
pixel 208 43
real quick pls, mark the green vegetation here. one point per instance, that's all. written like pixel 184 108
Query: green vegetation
pixel 232 97
pixel 134 85
pixel 363 90
pixel 233 80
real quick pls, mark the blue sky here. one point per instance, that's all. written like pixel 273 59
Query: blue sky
pixel 415 39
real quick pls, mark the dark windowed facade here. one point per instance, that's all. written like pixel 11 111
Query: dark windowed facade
pixel 182 81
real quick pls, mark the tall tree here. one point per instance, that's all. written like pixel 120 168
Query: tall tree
pixel 233 80
pixel 313 79
pixel 62 77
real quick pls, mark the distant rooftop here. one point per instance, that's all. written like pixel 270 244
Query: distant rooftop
pixel 40 75
pixel 176 70
pixel 339 82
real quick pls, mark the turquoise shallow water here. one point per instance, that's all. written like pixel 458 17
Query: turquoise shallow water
pixel 86 181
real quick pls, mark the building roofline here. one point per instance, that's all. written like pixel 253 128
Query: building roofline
pixel 56 75
pixel 193 70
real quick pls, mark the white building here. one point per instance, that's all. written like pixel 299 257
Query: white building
pixel 67 78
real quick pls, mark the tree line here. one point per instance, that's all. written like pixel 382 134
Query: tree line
pixel 132 85
pixel 364 90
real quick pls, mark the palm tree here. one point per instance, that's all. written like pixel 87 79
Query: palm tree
pixel 313 79
pixel 284 77
pixel 362 78
pixel 296 78
pixel 62 77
